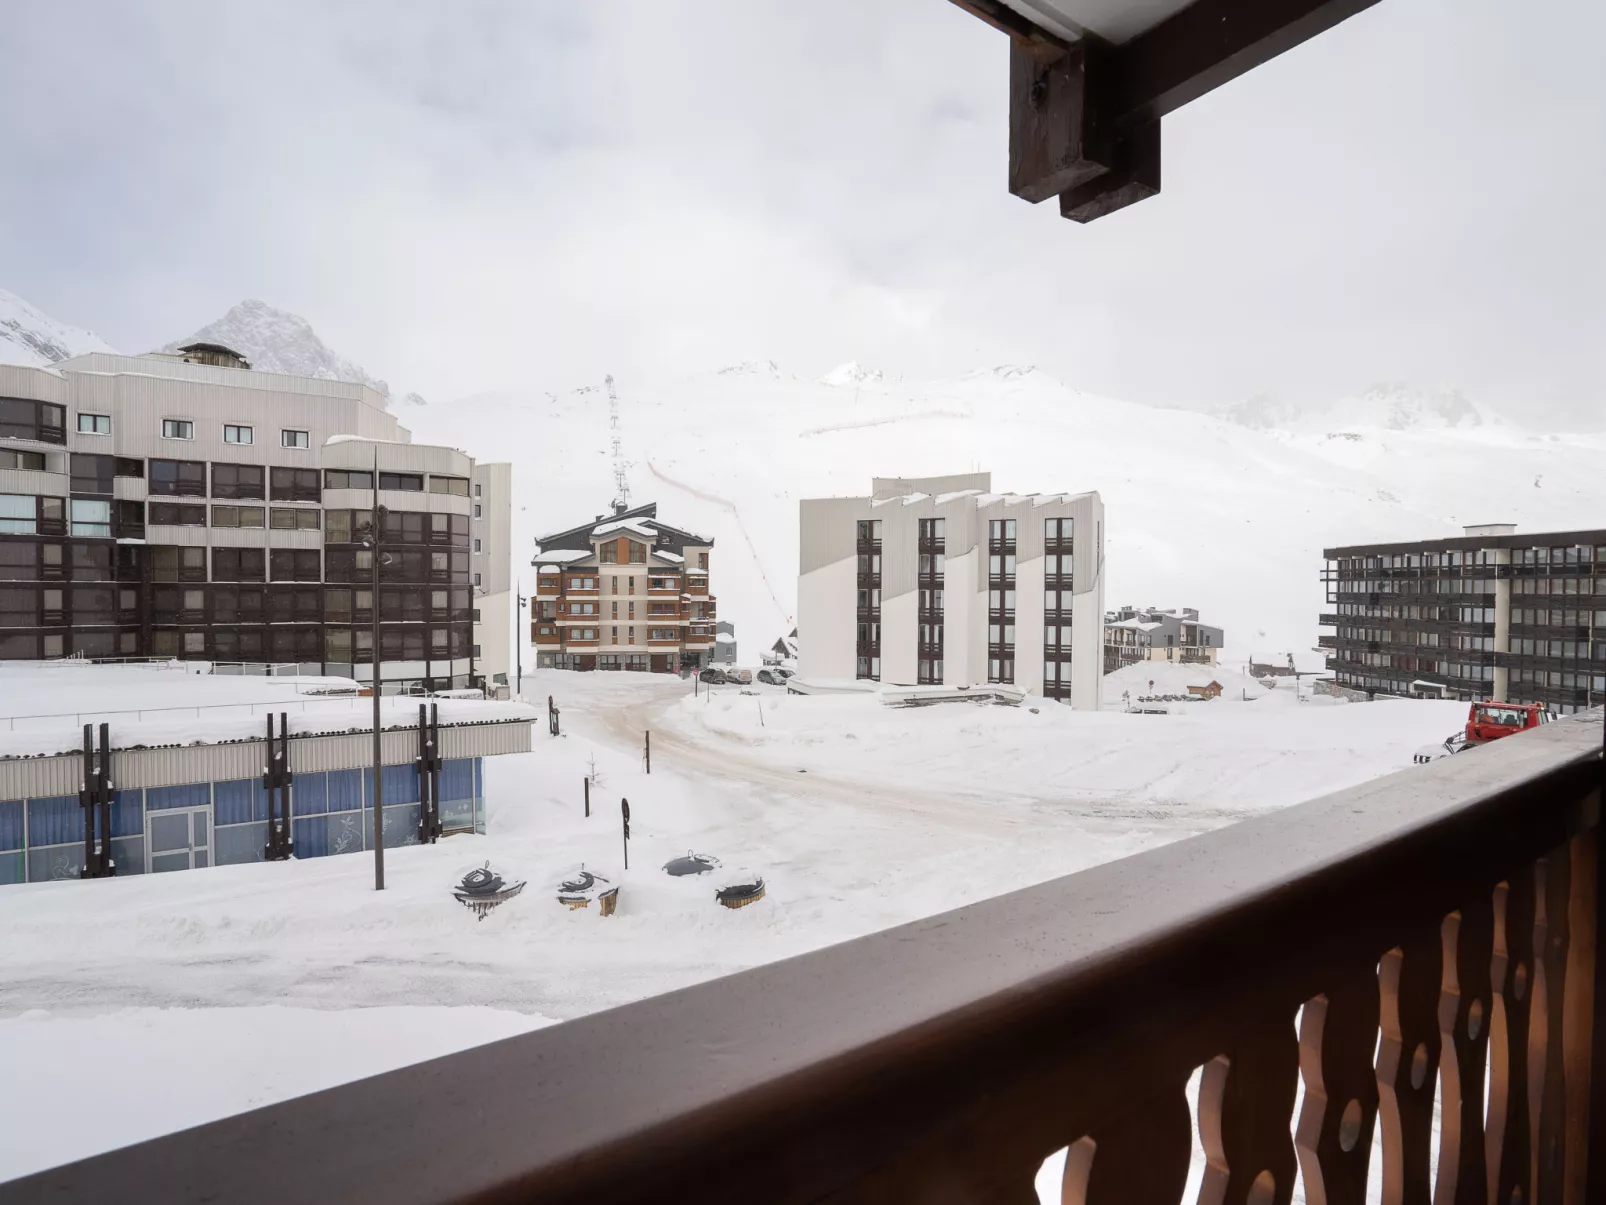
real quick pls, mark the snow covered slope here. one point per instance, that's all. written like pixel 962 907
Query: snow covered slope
pixel 32 338
pixel 275 340
pixel 1392 406
pixel 1201 512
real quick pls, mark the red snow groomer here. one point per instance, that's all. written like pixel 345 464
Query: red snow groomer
pixel 1489 721
pixel 1486 721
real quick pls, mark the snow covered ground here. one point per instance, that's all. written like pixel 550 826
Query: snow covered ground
pixel 859 816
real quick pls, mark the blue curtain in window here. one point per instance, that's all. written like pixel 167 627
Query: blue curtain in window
pixel 345 790
pixel 241 801
pixel 10 824
pixel 194 794
pixel 309 794
pixel 55 821
pixel 128 816
pixel 457 778
pixel 401 785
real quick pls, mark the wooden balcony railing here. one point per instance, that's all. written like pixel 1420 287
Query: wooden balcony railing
pixel 1420 927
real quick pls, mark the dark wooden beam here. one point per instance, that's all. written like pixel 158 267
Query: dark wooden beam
pixel 1000 16
pixel 1059 137
pixel 1209 43
pixel 1134 175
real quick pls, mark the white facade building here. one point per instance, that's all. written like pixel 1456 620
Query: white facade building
pixel 941 581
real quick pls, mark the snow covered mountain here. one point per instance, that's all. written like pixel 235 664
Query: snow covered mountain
pixel 1392 407
pixel 275 340
pixel 1201 512
pixel 30 337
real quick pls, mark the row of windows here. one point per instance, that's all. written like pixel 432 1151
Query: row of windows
pixel 412 483
pixel 1573 555
pixel 331 645
pixel 27 606
pixel 281 518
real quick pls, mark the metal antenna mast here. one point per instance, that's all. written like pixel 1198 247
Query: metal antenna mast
pixel 621 483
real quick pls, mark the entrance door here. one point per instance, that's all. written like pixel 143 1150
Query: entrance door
pixel 178 838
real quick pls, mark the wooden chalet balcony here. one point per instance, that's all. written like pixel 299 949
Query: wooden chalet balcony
pixel 1420 927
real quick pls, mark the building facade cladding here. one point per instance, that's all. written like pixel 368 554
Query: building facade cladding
pixel 941 581
pixel 626 591
pixel 155 507
pixel 1520 618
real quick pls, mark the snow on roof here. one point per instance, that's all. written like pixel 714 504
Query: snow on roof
pixel 941 498
pixel 551 569
pixel 641 529
pixel 724 638
pixel 666 555
pixel 180 703
pixel 560 556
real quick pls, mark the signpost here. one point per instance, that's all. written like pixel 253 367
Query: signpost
pixel 588 796
pixel 624 807
pixel 648 752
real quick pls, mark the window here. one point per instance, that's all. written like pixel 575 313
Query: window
pixel 346 479
pixel 195 642
pixel 90 473
pixel 127 466
pixel 234 434
pixel 293 485
pixel 476 579
pixel 290 438
pixel 94 424
pixel 638 553
pixel 24 418
pixel 91 518
pixel 476 545
pixel 178 428
pixel 475 615
pixel 177 514
pixel 478 511
pixel 236 516
pixel 286 518
pixel 702 560
pixel 178 477
pixel 294 565
pixel 19 515
pixel 662 634
pixel 445 485
pixel 238 480
pixel 178 564
pixel 608 554
pixel 10 459
pixel 410 482
pixel 236 564
pixel 54 646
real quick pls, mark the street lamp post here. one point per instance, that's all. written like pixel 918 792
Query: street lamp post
pixel 371 541
pixel 518 640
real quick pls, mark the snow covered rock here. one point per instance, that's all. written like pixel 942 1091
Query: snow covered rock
pixel 32 338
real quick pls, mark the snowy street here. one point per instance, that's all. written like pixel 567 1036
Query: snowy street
pixel 959 802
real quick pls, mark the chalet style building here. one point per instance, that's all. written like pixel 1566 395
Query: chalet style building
pixel 1133 634
pixel 623 592
pixel 184 504
pixel 1488 614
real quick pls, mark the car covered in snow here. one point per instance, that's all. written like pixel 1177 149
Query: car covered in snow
pixel 1454 743
pixel 774 675
pixel 712 674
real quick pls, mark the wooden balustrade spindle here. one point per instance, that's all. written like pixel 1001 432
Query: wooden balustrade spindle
pixel 1246 1103
pixel 1142 1159
pixel 1578 1013
pixel 1547 1101
pixel 1337 1038
pixel 1464 1044
pixel 1510 972
pixel 1409 980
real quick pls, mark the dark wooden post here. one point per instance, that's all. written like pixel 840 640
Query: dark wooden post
pixel 647 752
pixel 624 808
pixel 1059 135
pixel 588 795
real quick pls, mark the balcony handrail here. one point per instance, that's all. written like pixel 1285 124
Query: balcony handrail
pixel 944 1059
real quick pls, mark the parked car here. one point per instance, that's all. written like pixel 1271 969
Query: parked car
pixel 713 675
pixel 773 676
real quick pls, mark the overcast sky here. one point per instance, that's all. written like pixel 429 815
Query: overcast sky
pixel 470 196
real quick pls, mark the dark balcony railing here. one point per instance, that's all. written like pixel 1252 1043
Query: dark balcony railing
pixel 1430 925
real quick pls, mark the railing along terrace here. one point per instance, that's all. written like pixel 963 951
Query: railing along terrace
pixel 1424 929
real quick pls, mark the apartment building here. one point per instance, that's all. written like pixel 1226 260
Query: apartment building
pixel 185 505
pixel 626 591
pixel 1133 634
pixel 1491 613
pixel 941 581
